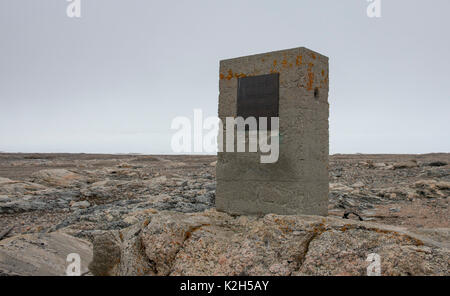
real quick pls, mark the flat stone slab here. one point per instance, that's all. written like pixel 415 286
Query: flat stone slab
pixel 42 254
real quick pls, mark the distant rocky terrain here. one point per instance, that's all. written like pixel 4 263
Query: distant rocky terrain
pixel 139 214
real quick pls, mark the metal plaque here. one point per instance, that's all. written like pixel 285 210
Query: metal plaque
pixel 258 96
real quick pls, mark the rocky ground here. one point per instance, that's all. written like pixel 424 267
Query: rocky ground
pixel 80 198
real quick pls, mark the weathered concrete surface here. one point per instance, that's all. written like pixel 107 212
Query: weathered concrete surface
pixel 41 254
pixel 298 182
pixel 215 243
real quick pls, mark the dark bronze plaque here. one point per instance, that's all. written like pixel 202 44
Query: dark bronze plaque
pixel 258 96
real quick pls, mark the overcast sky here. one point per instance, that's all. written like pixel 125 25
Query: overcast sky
pixel 113 80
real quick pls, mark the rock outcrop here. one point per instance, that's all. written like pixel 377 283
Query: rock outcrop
pixel 42 254
pixel 214 243
pixel 12 187
pixel 120 202
pixel 58 177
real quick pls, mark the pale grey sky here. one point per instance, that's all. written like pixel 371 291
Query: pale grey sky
pixel 112 81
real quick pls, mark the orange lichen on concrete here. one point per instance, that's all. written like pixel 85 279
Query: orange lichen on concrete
pixel 284 63
pixel 230 75
pixel 298 60
pixel 310 77
pixel 313 56
pixel 323 72
pixel 274 63
pixel 310 81
pixel 326 80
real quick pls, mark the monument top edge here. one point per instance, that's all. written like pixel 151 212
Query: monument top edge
pixel 289 50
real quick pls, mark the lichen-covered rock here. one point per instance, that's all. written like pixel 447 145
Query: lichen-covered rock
pixel 120 253
pixel 344 252
pixel 405 164
pixel 214 243
pixel 432 188
pixel 11 187
pixel 58 177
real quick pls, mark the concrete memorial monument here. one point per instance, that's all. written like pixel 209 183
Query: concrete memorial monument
pixel 291 85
